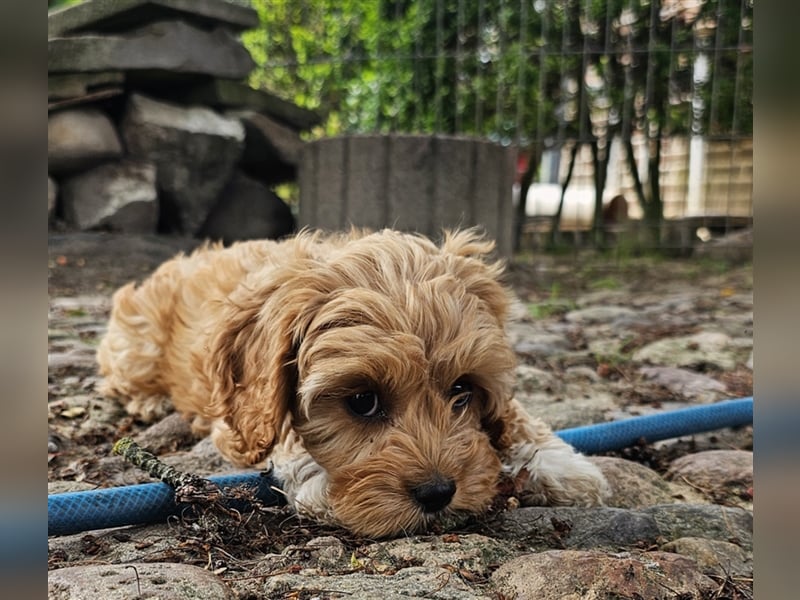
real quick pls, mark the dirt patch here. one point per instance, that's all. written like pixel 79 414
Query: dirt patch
pixel 98 263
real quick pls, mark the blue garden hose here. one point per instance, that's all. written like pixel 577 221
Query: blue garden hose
pixel 603 437
pixel 74 512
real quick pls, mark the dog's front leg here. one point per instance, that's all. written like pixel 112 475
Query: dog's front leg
pixel 547 470
pixel 304 482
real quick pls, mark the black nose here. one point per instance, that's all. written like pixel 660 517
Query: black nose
pixel 434 495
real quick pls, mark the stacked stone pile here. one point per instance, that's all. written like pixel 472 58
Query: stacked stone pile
pixel 152 128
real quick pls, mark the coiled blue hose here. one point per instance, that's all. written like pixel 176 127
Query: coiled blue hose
pixel 73 512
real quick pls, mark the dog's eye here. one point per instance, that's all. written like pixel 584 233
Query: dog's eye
pixel 461 391
pixel 364 404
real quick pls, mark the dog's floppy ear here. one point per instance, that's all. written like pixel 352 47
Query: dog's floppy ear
pixel 252 365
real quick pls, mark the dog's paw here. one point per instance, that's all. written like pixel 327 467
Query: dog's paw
pixel 150 409
pixel 554 474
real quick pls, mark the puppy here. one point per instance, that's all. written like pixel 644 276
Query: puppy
pixel 372 370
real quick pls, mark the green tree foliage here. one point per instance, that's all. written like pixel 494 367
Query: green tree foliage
pixel 51 4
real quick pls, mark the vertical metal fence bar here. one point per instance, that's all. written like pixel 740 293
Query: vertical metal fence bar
pixel 440 58
pixel 499 71
pixel 522 98
pixel 735 136
pixel 459 73
pixel 481 67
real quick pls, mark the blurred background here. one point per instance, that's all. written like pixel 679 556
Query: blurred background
pixel 622 124
pixel 647 101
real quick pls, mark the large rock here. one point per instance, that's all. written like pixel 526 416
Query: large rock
pixel 605 527
pixel 438 583
pixel 168 581
pixel 121 15
pixel 117 196
pixel 736 247
pixel 575 575
pixel 724 476
pixel 172 46
pixel 578 528
pixel 225 94
pixel 195 151
pixel 477 554
pixel 714 557
pixel 246 210
pixel 710 521
pixel 72 85
pixel 52 197
pixel 78 139
pixel 686 384
pixel 699 351
pixel 271 150
pixel 600 314
pixel 634 485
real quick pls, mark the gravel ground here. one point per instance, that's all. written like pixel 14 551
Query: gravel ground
pixel 598 339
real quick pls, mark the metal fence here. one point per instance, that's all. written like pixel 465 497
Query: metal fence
pixel 646 100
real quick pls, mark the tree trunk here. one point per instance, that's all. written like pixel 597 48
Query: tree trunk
pixel 634 169
pixel 601 174
pixel 555 224
pixel 524 184
pixel 654 210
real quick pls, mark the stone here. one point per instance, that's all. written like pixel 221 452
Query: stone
pixel 634 485
pixel 168 46
pixel 723 476
pixel 271 150
pixel 246 210
pixel 572 405
pixel 476 553
pixel 436 583
pixel 167 435
pixel 542 344
pixel 52 197
pixel 721 559
pixel 531 380
pixel 152 543
pixel 225 94
pixel 203 459
pixel 582 373
pixel 60 87
pixel 167 581
pixel 735 247
pixel 687 384
pixel 589 575
pixel 116 196
pixel 78 139
pixel 195 151
pixel 63 487
pixel 600 314
pixel 121 15
pixel 710 521
pixel 71 359
pixel 701 350
pixel 329 552
pixel 543 527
